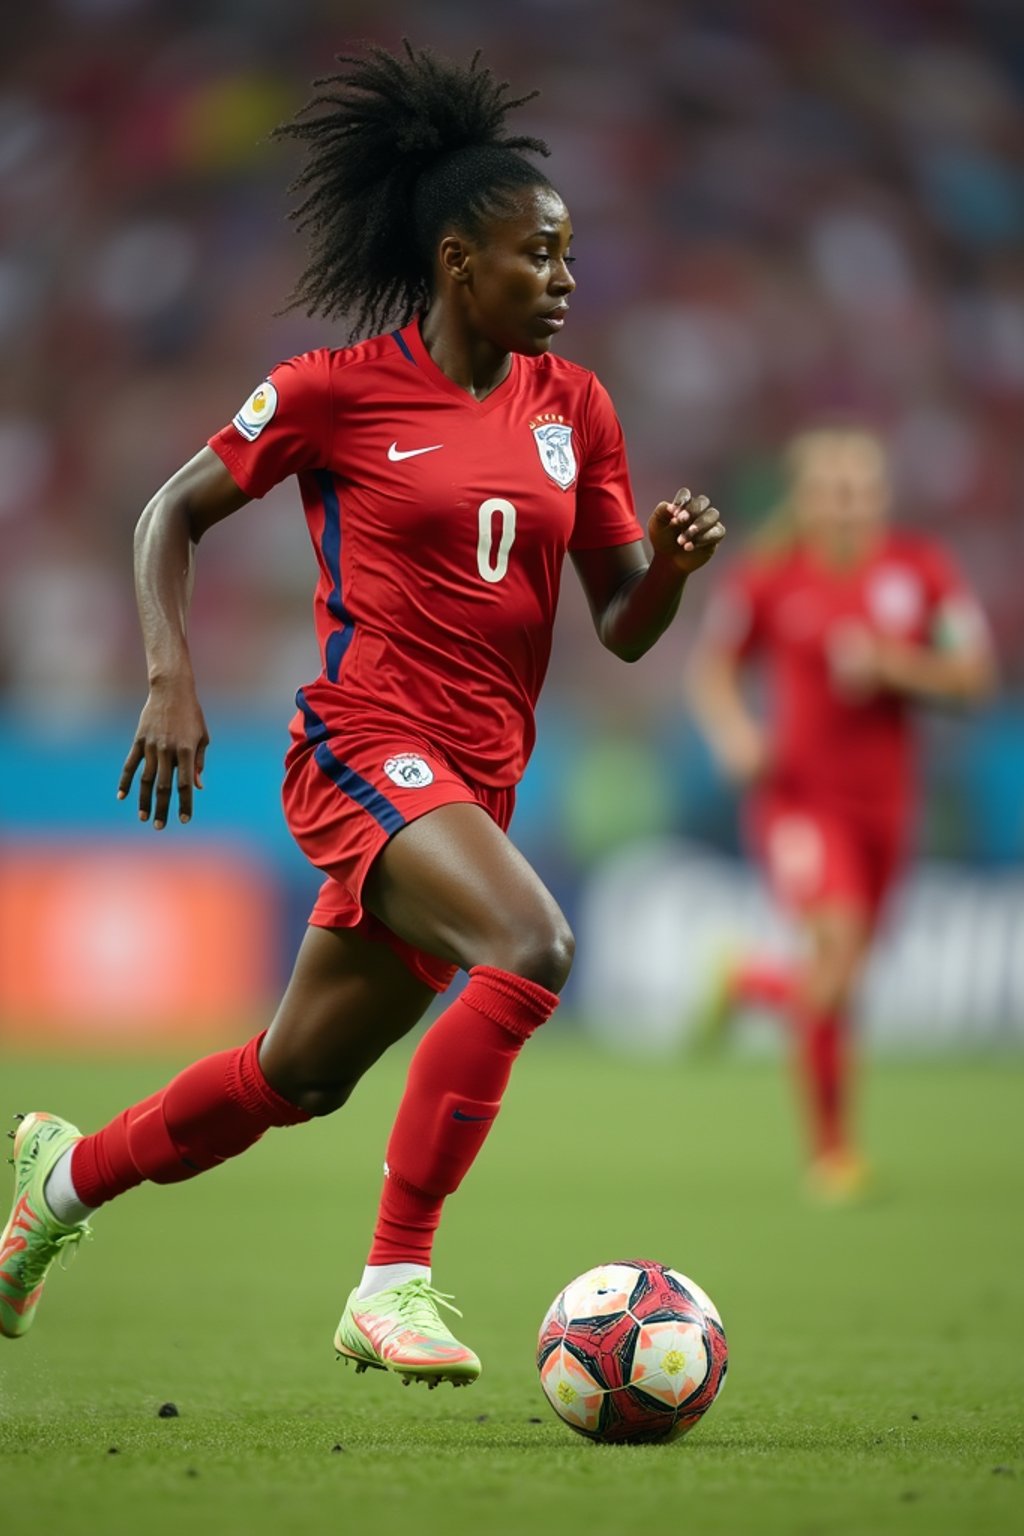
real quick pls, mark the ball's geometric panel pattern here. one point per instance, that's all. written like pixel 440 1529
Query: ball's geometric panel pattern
pixel 632 1351
pixel 670 1361
pixel 573 1392
pixel 601 1292
pixel 693 1289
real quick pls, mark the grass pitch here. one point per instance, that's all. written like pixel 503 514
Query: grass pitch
pixel 876 1377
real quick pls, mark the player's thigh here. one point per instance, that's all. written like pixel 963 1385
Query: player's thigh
pixel 862 865
pixel 812 857
pixel 348 999
pixel 839 937
pixel 818 866
pixel 886 852
pixel 453 884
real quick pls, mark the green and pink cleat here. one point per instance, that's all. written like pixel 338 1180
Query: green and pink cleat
pixel 33 1238
pixel 401 1330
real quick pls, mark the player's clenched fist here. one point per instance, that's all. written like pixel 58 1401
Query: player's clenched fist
pixel 688 528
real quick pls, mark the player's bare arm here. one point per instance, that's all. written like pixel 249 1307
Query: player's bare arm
pixel 634 600
pixel 172 738
pixel 713 689
pixel 962 672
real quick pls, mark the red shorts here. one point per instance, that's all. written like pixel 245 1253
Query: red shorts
pixel 346 796
pixel 814 855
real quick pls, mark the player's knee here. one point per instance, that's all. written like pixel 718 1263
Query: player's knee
pixel 317 1098
pixel 826 993
pixel 837 958
pixel 309 1091
pixel 843 968
pixel 541 952
pixel 831 981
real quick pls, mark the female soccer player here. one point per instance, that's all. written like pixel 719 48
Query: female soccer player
pixel 854 623
pixel 445 468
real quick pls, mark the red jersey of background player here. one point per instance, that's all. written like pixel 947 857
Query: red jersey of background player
pixel 440 524
pixel 828 746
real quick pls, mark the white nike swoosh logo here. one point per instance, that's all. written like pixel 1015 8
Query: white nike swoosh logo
pixel 395 453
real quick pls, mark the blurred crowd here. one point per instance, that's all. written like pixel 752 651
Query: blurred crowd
pixel 784 212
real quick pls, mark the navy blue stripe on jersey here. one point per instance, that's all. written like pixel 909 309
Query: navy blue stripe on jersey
pixel 360 790
pixel 339 640
pixel 404 347
pixel 316 730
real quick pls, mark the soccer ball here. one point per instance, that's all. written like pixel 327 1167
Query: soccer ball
pixel 632 1352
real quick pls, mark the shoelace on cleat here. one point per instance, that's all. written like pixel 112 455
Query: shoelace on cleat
pixel 417 1303
pixel 38 1259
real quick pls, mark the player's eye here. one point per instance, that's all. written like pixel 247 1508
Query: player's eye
pixel 543 258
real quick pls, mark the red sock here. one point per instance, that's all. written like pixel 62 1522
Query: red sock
pixel 823 1064
pixel 456 1079
pixel 763 983
pixel 213 1110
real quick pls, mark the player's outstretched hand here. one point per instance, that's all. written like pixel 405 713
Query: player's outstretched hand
pixel 688 528
pixel 171 739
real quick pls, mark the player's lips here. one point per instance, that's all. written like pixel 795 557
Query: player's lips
pixel 554 319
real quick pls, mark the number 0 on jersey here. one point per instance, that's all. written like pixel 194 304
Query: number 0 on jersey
pixel 493 562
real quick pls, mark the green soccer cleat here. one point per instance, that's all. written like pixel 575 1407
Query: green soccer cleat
pixel 401 1330
pixel 33 1237
pixel 715 1009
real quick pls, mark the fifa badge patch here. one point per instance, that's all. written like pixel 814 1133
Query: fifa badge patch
pixel 553 436
pixel 409 771
pixel 256 412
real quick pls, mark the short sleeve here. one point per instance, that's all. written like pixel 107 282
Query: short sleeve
pixel 735 619
pixel 604 497
pixel 956 620
pixel 283 427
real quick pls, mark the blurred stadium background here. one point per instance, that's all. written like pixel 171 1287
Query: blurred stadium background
pixel 782 212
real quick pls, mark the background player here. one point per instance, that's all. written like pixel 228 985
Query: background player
pixel 445 467
pixel 854 622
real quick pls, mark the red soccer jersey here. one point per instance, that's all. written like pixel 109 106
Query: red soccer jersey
pixel 440 525
pixel 838 751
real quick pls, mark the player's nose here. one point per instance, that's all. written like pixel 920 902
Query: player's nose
pixel 562 280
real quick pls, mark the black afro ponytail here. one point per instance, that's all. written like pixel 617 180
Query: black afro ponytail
pixel 399 148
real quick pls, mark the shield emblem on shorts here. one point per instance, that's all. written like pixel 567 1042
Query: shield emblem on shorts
pixel 409 770
pixel 554 444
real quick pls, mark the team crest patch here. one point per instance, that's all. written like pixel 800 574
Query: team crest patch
pixel 257 411
pixel 895 598
pixel 409 771
pixel 553 436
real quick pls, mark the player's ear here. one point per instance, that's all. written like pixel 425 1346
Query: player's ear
pixel 453 258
